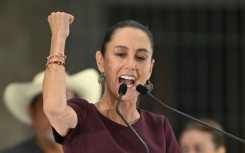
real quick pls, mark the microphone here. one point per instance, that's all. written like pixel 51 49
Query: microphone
pixel 142 90
pixel 122 91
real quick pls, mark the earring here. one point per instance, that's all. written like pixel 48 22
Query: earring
pixel 101 78
pixel 149 85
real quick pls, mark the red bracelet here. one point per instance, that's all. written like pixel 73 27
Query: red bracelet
pixel 56 62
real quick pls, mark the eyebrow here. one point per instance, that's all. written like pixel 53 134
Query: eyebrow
pixel 124 47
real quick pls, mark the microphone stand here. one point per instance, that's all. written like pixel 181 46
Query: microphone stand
pixel 126 122
pixel 192 118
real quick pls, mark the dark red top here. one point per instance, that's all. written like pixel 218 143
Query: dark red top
pixel 95 133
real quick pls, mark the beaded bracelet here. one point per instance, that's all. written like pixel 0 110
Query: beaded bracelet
pixel 55 62
pixel 59 56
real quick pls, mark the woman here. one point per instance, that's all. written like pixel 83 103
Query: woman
pixel 197 138
pixel 126 57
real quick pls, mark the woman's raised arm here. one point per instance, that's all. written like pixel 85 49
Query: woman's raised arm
pixel 61 116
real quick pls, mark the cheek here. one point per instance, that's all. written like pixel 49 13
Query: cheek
pixel 112 66
pixel 144 70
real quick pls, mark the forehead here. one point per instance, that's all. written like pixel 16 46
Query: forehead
pixel 193 137
pixel 130 31
pixel 131 35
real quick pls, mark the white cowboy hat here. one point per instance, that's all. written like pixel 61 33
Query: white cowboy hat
pixel 18 96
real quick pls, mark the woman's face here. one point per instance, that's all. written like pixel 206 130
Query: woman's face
pixel 127 59
pixel 196 141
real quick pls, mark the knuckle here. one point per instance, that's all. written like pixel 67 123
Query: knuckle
pixel 53 13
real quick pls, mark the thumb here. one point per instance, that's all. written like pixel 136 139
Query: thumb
pixel 71 18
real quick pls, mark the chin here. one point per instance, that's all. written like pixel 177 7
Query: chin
pixel 130 96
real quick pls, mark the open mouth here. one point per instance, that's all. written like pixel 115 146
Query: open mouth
pixel 128 80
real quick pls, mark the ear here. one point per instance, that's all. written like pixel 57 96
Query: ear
pixel 100 61
pixel 151 68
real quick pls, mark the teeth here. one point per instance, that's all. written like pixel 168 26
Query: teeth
pixel 127 77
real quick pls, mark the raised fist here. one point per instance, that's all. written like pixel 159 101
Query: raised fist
pixel 59 23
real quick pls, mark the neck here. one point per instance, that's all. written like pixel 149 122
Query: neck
pixel 107 106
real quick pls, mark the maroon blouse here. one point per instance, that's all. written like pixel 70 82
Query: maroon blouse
pixel 95 133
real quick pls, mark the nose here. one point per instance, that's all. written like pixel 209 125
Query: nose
pixel 130 63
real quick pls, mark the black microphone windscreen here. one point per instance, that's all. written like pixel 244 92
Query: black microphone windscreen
pixel 122 89
pixel 141 89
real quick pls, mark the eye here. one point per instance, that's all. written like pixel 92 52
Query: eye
pixel 199 149
pixel 185 149
pixel 121 54
pixel 141 58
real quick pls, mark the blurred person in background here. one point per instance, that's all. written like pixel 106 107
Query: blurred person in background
pixel 197 138
pixel 25 101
